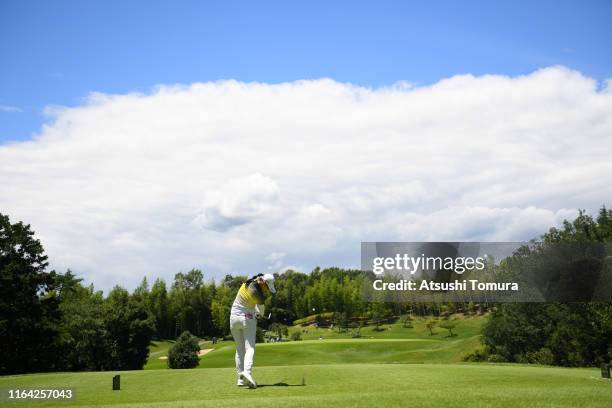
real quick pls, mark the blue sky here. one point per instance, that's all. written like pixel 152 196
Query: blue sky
pixel 57 52
pixel 257 164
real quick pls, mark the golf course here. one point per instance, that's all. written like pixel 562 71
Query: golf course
pixel 396 366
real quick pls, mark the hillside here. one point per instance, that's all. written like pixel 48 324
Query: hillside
pixel 394 344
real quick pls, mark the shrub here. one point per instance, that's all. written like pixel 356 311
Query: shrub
pixel 184 353
pixel 296 336
pixel 377 320
pixel 259 335
pixel 520 358
pixel 496 358
pixel 476 356
pixel 279 329
pixel 542 356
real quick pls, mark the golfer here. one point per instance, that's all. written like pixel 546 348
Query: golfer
pixel 249 303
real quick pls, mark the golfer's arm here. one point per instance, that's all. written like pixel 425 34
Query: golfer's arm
pixel 260 309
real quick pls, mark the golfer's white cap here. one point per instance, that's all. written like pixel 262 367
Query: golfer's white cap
pixel 269 279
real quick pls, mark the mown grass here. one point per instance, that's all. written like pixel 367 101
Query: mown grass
pixel 337 385
pixel 338 371
pixel 394 344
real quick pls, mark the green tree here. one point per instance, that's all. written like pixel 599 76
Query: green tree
pixel 142 291
pixel 260 335
pixel 129 329
pixel 85 341
pixel 160 309
pixel 280 329
pixel 342 322
pixel 29 307
pixel 567 334
pixel 184 353
pixel 448 325
pixel 192 301
pixel 407 321
pixel 378 313
pixel 221 306
pixel 430 324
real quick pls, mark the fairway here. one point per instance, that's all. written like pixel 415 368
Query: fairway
pixel 395 344
pixel 344 351
pixel 337 385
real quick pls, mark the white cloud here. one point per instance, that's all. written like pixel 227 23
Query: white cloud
pixel 239 202
pixel 275 260
pixel 222 175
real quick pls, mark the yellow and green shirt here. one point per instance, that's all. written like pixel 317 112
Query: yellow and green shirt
pixel 249 300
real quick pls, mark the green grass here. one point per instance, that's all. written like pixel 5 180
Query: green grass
pixel 341 351
pixel 338 385
pixel 466 327
pixel 395 344
pixel 160 349
pixel 394 367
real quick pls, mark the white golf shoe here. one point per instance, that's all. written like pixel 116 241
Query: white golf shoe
pixel 246 377
pixel 240 382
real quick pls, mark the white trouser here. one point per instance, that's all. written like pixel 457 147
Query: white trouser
pixel 243 330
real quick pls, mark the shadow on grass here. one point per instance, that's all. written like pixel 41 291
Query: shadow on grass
pixel 280 384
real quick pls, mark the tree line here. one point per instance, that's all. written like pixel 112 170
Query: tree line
pixel 50 321
pixel 566 334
